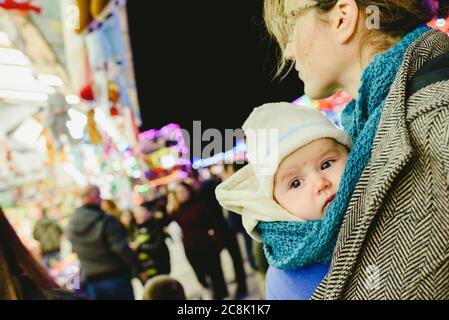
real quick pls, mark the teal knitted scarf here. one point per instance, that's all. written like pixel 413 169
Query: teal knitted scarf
pixel 292 245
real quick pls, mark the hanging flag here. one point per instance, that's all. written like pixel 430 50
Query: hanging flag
pixel 24 6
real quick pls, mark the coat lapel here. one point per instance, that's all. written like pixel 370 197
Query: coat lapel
pixel 392 149
pixel 391 153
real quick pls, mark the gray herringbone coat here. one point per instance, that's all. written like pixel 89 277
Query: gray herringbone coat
pixel 394 241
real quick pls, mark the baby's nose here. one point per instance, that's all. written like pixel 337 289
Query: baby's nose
pixel 321 184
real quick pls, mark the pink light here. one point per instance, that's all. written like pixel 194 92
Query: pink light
pixel 152 133
pixel 184 150
pixel 183 162
pixel 183 174
pixel 149 134
pixel 169 127
pixel 175 132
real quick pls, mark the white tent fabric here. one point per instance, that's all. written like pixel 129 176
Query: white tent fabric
pixel 12 115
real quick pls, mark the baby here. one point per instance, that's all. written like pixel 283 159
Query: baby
pixel 296 161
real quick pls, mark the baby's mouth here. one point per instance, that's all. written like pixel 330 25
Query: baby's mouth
pixel 328 202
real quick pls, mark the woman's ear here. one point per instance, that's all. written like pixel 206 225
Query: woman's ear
pixel 344 18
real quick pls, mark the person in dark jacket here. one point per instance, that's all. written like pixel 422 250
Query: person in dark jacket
pixel 129 224
pixel 207 194
pixel 152 251
pixel 233 219
pixel 48 233
pixel 201 237
pixel 107 262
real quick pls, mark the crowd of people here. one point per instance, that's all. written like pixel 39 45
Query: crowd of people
pixel 359 213
pixel 114 246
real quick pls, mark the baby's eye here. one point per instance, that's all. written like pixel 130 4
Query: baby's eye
pixel 295 184
pixel 327 164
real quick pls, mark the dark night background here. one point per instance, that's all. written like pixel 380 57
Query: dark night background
pixel 204 60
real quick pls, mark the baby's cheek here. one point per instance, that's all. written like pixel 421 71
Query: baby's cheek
pixel 339 172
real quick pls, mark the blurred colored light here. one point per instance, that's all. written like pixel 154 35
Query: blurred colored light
pixel 28 133
pixel 23 95
pixel 77 124
pixel 72 99
pixel 4 40
pixel 13 57
pixel 50 80
pixel 142 188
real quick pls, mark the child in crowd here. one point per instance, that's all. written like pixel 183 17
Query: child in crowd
pixel 296 161
pixel 163 287
pixel 149 242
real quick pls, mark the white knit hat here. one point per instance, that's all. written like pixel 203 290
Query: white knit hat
pixel 273 131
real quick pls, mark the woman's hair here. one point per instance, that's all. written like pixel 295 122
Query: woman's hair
pixel 112 208
pixel 130 227
pixel 172 203
pixel 397 17
pixel 151 206
pixel 189 188
pixel 16 263
pixel 110 204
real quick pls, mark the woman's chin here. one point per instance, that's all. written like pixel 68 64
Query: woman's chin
pixel 315 93
pixel 311 93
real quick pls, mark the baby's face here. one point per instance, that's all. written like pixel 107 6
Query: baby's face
pixel 307 179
